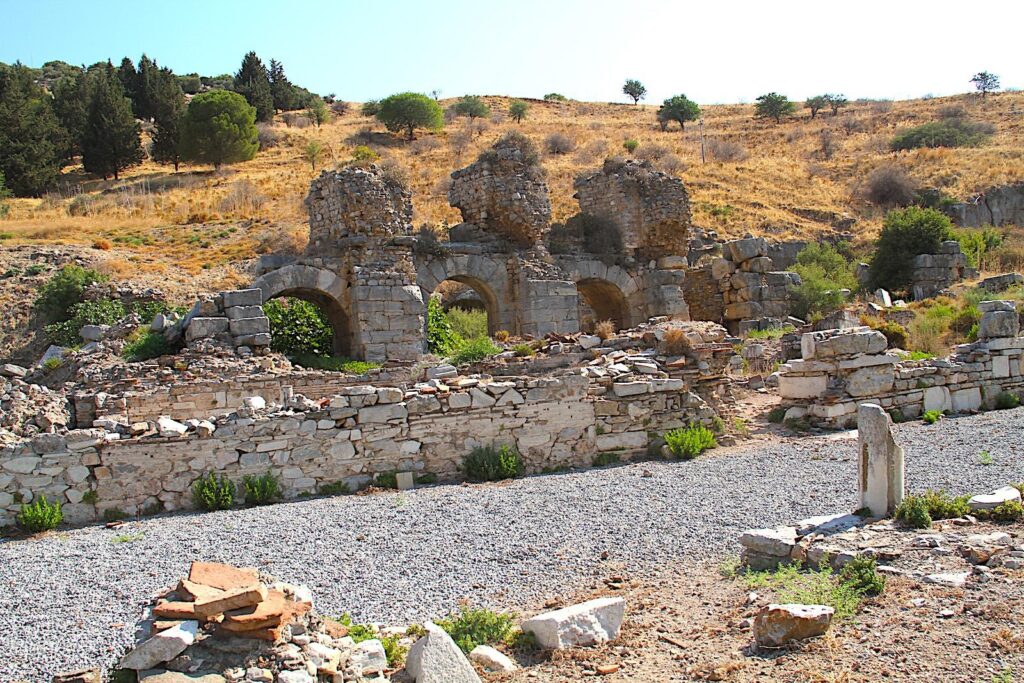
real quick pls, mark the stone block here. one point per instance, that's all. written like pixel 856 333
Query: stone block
pixel 249 326
pixel 162 647
pixel 998 323
pixel 797 387
pixel 589 623
pixel 776 625
pixel 236 312
pixel 881 461
pixel 870 381
pixel 622 441
pixel 745 249
pixel 203 328
pixel 242 297
pixel 435 658
pixel 382 413
pixel 966 400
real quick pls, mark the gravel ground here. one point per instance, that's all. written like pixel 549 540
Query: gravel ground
pixel 71 599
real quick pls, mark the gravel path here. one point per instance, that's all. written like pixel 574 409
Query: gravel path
pixel 71 599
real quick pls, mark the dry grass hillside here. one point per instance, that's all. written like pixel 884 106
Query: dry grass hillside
pixel 791 180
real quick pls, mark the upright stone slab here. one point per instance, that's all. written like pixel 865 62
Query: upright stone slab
pixel 881 467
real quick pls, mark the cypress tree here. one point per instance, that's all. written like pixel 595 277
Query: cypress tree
pixel 145 85
pixel 32 141
pixel 129 78
pixel 111 141
pixel 168 108
pixel 70 103
pixel 281 89
pixel 253 83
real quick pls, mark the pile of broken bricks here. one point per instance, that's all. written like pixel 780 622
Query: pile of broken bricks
pixel 225 624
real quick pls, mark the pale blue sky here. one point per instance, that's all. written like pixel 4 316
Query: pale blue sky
pixel 724 51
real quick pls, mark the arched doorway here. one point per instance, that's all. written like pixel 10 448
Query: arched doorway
pixel 470 294
pixel 605 301
pixel 331 311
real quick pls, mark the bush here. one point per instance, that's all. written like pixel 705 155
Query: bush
pixel 1007 401
pixel 472 627
pixel 147 346
pixel 914 512
pixel 408 111
pixel 441 338
pixel 821 587
pixel 219 127
pixel 559 143
pixel 1010 511
pixel 906 233
pixel 267 135
pixel 393 649
pixel 725 150
pixel 335 363
pixel 523 350
pixel 298 328
pixel 364 155
pixel 471 106
pixel 605 329
pixel 467 324
pixel 930 417
pixel 976 244
pixel 689 442
pixel 861 574
pixel 631 145
pixel 889 186
pixel 555 97
pixel 493 463
pixel 386 480
pixel 949 132
pixel 261 490
pixel 941 505
pixel 40 515
pixel 102 312
pixel 473 351
pixel 213 493
pixel 528 150
pixel 61 292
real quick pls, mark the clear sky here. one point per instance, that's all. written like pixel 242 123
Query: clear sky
pixel 712 51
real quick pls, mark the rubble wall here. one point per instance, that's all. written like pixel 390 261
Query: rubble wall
pixel 843 368
pixel 363 430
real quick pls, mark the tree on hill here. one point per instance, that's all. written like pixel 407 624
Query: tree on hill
pixel 168 108
pixel 281 89
pixel 70 104
pixel 906 233
pixel 253 82
pixel 145 86
pixel 219 127
pixel 517 110
pixel 111 140
pixel 129 77
pixel 32 141
pixel 773 106
pixel 679 108
pixel 408 111
pixel 985 82
pixel 816 104
pixel 471 106
pixel 634 89
pixel 317 111
pixel 835 102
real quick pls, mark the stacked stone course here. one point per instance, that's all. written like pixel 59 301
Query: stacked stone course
pixel 235 317
pixel 753 294
pixel 841 368
pixel 933 273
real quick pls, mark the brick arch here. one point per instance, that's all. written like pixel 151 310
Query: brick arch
pixel 320 287
pixel 610 291
pixel 488 277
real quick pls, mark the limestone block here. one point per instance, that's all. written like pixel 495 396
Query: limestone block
pixel 777 542
pixel 745 249
pixel 589 623
pixel 260 339
pixel 743 310
pixel 996 305
pixel 389 395
pixel 1000 366
pixel 201 328
pixel 937 398
pixel 460 400
pixel 167 427
pixel 797 387
pixel 235 312
pixel 242 297
pixel 491 659
pixel 849 342
pixel 877 379
pixel 722 268
pixel 435 658
pixel 966 400
pixel 775 625
pixel 987 501
pixel 998 323
pixel 867 361
pixel 249 326
pixel 382 413
pixel 622 441
pixel 881 463
pixel 162 647
pixel 622 389
pixel 481 399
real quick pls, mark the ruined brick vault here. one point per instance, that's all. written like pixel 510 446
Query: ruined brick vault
pixel 371 274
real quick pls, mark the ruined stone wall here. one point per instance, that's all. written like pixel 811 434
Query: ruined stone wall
pixel 651 208
pixel 704 295
pixel 841 368
pixel 361 431
pixel 998 206
pixel 754 295
pixel 933 273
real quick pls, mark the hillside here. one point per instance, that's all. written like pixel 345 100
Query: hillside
pixel 174 226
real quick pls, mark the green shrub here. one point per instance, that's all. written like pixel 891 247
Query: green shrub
pixel 441 338
pixel 906 233
pixel 336 488
pixel 261 490
pixel 61 292
pixel 37 269
pixel 777 415
pixel 52 364
pixel 631 145
pixel 689 442
pixel 977 243
pixel 386 480
pixel 149 345
pixel 473 351
pixel 393 649
pixel 493 463
pixel 426 479
pixel 1010 511
pixel 1007 401
pixel 40 515
pixel 298 327
pixel 467 324
pixel 605 459
pixel 102 312
pixel 213 493
pixel 471 106
pixel 523 350
pixel 914 512
pixel 942 506
pixel 916 355
pixel 821 587
pixel 861 574
pixel 930 417
pixel 90 497
pixel 335 363
pixel 472 627
pixel 896 336
pixel 823 273
pixel 952 132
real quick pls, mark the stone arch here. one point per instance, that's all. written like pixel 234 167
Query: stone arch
pixel 487 276
pixel 322 288
pixel 612 292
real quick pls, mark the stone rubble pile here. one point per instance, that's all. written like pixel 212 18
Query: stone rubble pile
pixel 228 625
pixel 28 409
pixel 840 368
pixel 754 294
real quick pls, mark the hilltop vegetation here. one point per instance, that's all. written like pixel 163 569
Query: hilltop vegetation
pixel 772 169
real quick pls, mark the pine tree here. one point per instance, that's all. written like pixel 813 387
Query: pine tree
pixel 253 83
pixel 111 140
pixel 129 78
pixel 281 89
pixel 70 104
pixel 219 128
pixel 32 140
pixel 168 108
pixel 145 84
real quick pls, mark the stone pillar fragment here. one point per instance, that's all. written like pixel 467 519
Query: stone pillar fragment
pixel 881 468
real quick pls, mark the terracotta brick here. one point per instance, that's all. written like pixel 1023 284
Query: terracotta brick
pixel 222 576
pixel 189 590
pixel 229 600
pixel 175 610
pixel 270 612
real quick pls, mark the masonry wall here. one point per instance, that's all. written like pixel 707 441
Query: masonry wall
pixel 364 430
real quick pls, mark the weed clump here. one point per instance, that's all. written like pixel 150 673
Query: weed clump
pixel 476 626
pixel 40 515
pixel 493 463
pixel 213 493
pixel 261 490
pixel 687 443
